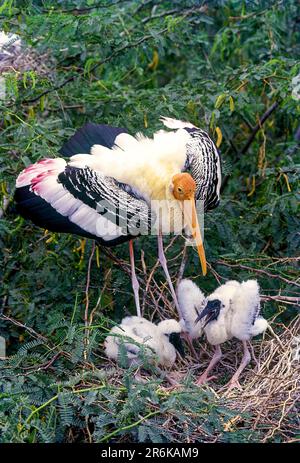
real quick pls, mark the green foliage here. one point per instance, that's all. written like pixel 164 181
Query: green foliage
pixel 126 63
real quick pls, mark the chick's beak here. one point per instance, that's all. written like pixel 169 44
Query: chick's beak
pixel 190 216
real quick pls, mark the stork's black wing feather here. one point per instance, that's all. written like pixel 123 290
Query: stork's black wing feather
pixel 203 161
pixel 91 134
pixel 33 207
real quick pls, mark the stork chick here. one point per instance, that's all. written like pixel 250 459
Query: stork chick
pixel 114 187
pixel 231 311
pixel 191 301
pixel 161 341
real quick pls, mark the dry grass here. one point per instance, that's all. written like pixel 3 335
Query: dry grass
pixel 270 383
pixel 271 392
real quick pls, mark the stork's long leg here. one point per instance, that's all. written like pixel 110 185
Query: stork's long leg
pixel 189 340
pixel 163 262
pixel 216 358
pixel 234 382
pixel 134 280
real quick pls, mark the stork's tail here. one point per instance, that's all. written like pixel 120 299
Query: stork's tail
pixel 42 198
pixel 191 302
pixel 44 201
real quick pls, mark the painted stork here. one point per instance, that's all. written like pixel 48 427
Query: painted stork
pixel 113 182
pixel 231 311
pixel 161 341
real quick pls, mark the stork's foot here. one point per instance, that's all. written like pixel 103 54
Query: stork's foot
pixel 189 341
pixel 172 388
pixel 204 379
pixel 234 382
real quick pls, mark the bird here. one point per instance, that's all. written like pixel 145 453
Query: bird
pixel 161 341
pixel 191 301
pixel 114 187
pixel 231 311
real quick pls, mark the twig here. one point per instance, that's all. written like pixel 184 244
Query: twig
pixel 87 300
pixel 93 68
pixel 262 120
pixel 284 299
pixel 5 204
pixel 258 270
pixel 21 325
pixel 182 265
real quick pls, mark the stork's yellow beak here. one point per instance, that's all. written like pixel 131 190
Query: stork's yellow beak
pixel 190 217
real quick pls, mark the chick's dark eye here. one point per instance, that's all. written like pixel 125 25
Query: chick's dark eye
pixel 179 189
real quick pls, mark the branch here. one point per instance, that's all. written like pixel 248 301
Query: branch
pixel 105 60
pixel 262 120
pixel 24 326
pixel 284 299
pixel 257 270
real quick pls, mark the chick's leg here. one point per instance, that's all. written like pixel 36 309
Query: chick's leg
pixel 215 359
pixel 234 382
pixel 163 262
pixel 134 280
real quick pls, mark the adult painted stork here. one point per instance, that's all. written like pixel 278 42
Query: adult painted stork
pixel 115 186
pixel 161 341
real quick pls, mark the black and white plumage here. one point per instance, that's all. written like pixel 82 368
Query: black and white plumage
pixel 231 311
pixel 10 45
pixel 161 341
pixel 115 186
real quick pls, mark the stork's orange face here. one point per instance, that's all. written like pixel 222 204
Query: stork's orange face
pixel 184 189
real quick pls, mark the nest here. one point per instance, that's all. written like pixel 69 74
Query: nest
pixel 268 401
